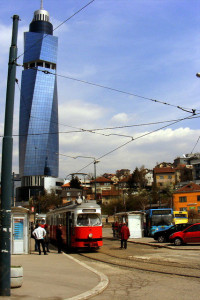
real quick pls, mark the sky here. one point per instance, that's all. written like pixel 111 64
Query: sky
pixel 122 55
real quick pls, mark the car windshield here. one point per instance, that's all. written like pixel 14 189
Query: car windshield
pixel 88 220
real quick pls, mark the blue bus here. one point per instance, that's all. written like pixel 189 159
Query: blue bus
pixel 158 219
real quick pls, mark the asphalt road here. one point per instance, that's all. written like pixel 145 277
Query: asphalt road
pixel 136 284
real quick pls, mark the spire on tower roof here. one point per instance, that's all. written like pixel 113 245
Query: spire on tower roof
pixel 41 14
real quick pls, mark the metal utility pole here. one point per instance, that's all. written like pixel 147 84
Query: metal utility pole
pixel 6 168
pixel 95 177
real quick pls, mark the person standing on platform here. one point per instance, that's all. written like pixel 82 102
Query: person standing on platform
pixel 46 239
pixel 59 238
pixel 125 233
pixel 39 233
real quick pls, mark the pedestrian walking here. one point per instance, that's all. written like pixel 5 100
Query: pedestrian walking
pixel 39 233
pixel 125 233
pixel 59 238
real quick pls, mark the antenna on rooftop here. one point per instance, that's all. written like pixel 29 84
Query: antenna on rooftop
pixel 41 6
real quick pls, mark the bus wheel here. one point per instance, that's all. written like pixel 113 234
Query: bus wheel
pixel 177 242
pixel 161 239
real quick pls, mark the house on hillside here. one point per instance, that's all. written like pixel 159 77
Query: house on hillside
pixel 102 183
pixel 149 177
pixel 104 188
pixel 187 197
pixel 109 195
pixel 164 177
pixel 192 160
pixel 123 173
pixel 69 194
pixel 123 183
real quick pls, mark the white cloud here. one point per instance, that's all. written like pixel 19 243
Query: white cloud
pixel 164 145
pixel 79 112
pixel 138 47
pixel 120 118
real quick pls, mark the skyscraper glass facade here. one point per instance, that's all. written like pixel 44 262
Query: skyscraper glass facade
pixel 38 122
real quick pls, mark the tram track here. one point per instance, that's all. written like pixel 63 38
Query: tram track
pixel 158 263
pixel 152 261
pixel 125 263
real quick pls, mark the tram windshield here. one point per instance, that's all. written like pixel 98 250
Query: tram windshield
pixel 88 220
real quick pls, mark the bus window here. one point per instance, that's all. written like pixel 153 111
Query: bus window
pixel 158 219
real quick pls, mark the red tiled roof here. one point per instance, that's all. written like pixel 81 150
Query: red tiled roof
pixel 164 170
pixel 190 187
pixel 102 179
pixel 66 184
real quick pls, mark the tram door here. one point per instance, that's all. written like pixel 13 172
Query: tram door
pixel 68 229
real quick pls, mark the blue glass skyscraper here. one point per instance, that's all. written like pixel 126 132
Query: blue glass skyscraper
pixel 38 122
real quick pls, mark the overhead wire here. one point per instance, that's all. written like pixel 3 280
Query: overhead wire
pixel 195 144
pixel 39 40
pixel 81 130
pixel 189 110
pixel 132 139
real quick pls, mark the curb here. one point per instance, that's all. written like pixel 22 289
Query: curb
pixel 156 245
pixel 164 246
pixel 94 291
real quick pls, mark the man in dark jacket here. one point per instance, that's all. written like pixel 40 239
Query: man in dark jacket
pixel 125 233
pixel 59 238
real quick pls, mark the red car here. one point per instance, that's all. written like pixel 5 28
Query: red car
pixel 188 235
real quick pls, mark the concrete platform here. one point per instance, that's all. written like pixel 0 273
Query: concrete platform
pixel 56 276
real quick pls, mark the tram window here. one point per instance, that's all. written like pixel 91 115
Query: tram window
pixel 88 220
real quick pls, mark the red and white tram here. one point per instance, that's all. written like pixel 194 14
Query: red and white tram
pixel 81 225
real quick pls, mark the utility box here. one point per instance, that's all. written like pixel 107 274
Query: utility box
pixel 134 219
pixel 19 230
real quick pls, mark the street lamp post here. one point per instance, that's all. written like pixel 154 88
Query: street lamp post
pixel 95 177
pixel 95 161
pixel 6 167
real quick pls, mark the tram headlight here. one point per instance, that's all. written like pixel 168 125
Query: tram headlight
pixel 90 235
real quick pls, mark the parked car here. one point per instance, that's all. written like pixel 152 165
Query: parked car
pixel 188 235
pixel 163 235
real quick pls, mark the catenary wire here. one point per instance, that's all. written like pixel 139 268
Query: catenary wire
pixel 195 144
pixel 189 110
pixel 78 11
pixel 96 129
pixel 81 130
pixel 132 139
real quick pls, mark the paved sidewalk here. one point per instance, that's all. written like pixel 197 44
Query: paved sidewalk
pixel 55 277
pixel 59 276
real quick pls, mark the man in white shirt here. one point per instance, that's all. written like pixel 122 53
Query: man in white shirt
pixel 39 233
